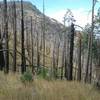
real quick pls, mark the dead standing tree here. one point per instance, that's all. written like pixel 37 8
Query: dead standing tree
pixel 79 57
pixel 15 36
pixel 70 76
pixel 64 54
pixel 43 34
pixel 2 62
pixel 38 53
pixel 69 69
pixel 53 57
pixel 32 44
pixel 91 44
pixel 28 45
pixel 6 68
pixel 88 75
pixel 63 60
pixel 57 56
pixel 23 63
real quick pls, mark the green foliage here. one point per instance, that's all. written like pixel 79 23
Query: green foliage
pixel 27 77
pixel 45 73
pixel 42 72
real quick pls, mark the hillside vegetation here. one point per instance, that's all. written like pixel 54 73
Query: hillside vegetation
pixel 42 59
pixel 11 88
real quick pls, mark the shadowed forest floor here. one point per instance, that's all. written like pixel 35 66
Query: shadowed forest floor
pixel 11 88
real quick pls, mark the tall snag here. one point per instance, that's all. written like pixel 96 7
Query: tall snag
pixel 70 76
pixel 88 76
pixel 2 62
pixel 6 68
pixel 32 43
pixel 53 59
pixel 63 59
pixel 79 59
pixel 91 45
pixel 23 63
pixel 15 37
pixel 43 34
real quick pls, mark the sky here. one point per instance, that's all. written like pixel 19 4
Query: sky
pixel 56 9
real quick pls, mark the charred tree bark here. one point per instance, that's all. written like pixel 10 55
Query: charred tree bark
pixel 6 68
pixel 2 62
pixel 15 36
pixel 38 55
pixel 70 76
pixel 23 63
pixel 32 43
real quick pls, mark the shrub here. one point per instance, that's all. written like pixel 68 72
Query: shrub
pixel 45 73
pixel 27 77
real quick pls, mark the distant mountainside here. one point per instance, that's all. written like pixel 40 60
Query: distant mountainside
pixel 53 29
pixel 52 26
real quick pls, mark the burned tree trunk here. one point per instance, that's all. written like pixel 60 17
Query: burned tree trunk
pixel 2 62
pixel 32 43
pixel 6 68
pixel 15 37
pixel 70 76
pixel 38 54
pixel 23 63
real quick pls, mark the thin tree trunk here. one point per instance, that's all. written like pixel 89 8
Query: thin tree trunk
pixel 79 60
pixel 43 39
pixel 91 44
pixel 6 69
pixel 38 54
pixel 71 53
pixel 28 43
pixel 54 64
pixel 65 56
pixel 88 61
pixel 89 58
pixel 57 60
pixel 23 66
pixel 15 37
pixel 43 34
pixel 63 60
pixel 32 43
pixel 2 62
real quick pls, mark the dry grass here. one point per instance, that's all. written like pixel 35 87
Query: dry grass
pixel 11 88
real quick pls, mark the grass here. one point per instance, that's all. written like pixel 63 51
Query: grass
pixel 11 88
